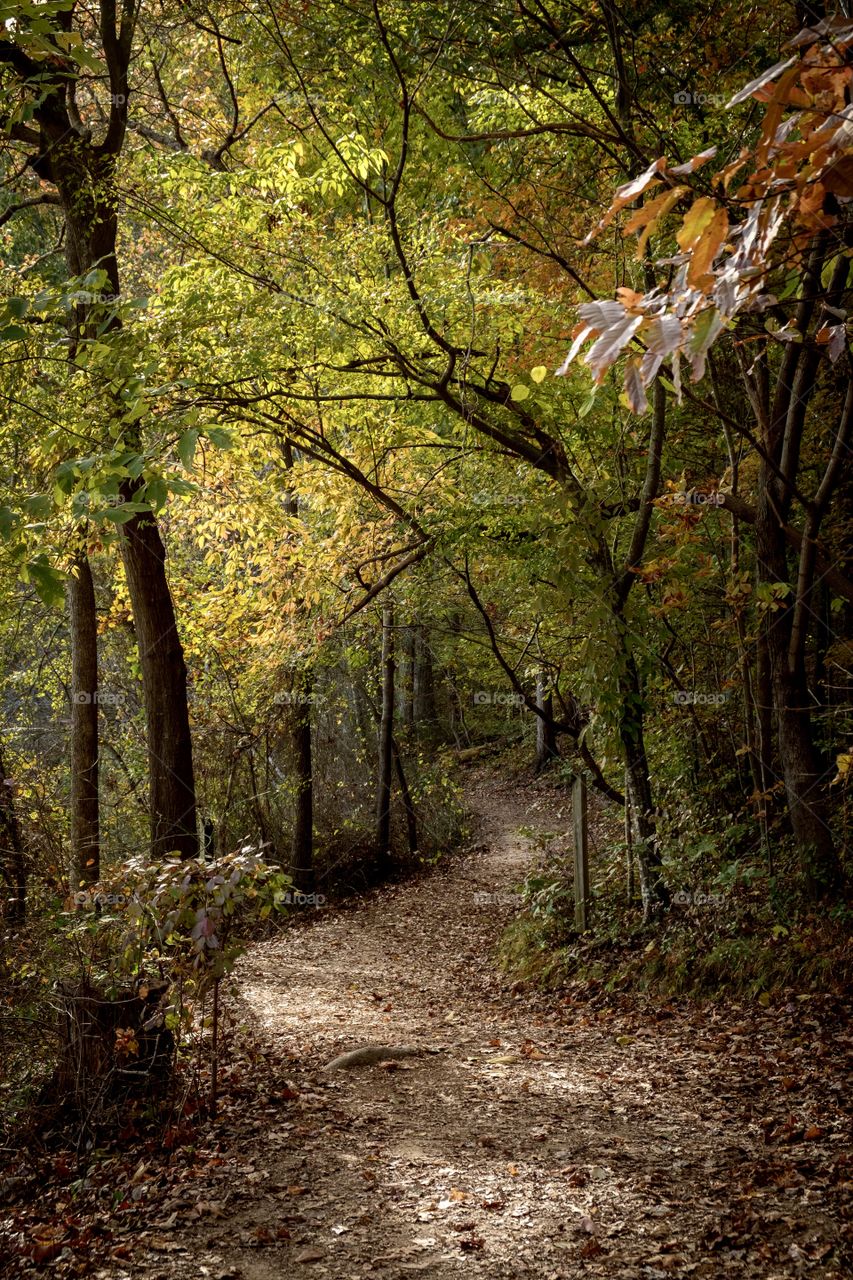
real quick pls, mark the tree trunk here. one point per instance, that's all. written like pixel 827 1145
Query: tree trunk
pixel 302 848
pixel 408 691
pixel 85 828
pixel 85 179
pixel 629 844
pixel 408 803
pixel 12 861
pixel 302 844
pixel 802 769
pixel 164 682
pixel 424 681
pixel 653 889
pixel 386 744
pixel 546 736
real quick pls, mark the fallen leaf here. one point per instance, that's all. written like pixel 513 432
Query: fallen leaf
pixel 309 1255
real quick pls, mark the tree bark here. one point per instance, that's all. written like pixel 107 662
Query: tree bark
pixel 546 735
pixel 12 860
pixel 783 429
pixel 408 664
pixel 386 744
pixel 424 681
pixel 85 822
pixel 164 682
pixel 302 843
pixel 302 847
pixel 406 796
pixel 653 889
pixel 803 771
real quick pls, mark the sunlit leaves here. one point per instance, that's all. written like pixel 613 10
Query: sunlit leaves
pixel 722 268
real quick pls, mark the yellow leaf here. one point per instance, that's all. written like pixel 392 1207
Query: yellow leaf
pixel 696 220
pixel 707 247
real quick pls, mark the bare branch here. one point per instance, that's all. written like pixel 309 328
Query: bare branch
pixel 46 198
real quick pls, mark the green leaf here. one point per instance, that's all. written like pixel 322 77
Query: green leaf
pixel 220 437
pixel 156 492
pixel 137 410
pixel 120 515
pixel 38 506
pixel 48 582
pixel 186 447
pixel 519 392
pixel 587 405
pixel 828 269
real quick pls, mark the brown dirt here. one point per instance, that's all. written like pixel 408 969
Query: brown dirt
pixel 542 1136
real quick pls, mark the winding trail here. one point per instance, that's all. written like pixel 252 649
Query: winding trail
pixel 539 1137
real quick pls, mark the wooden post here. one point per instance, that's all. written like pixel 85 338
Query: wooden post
pixel 581 853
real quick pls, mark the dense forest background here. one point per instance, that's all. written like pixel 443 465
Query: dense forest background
pixel 388 385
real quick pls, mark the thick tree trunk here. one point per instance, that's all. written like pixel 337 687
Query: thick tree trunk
pixel 12 861
pixel 85 181
pixel 783 423
pixel 164 681
pixel 85 828
pixel 386 744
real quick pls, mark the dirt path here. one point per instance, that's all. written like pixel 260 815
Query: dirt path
pixel 538 1139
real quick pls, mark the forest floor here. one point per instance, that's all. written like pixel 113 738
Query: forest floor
pixel 540 1134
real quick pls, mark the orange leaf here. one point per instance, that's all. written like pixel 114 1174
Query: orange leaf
pixel 629 192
